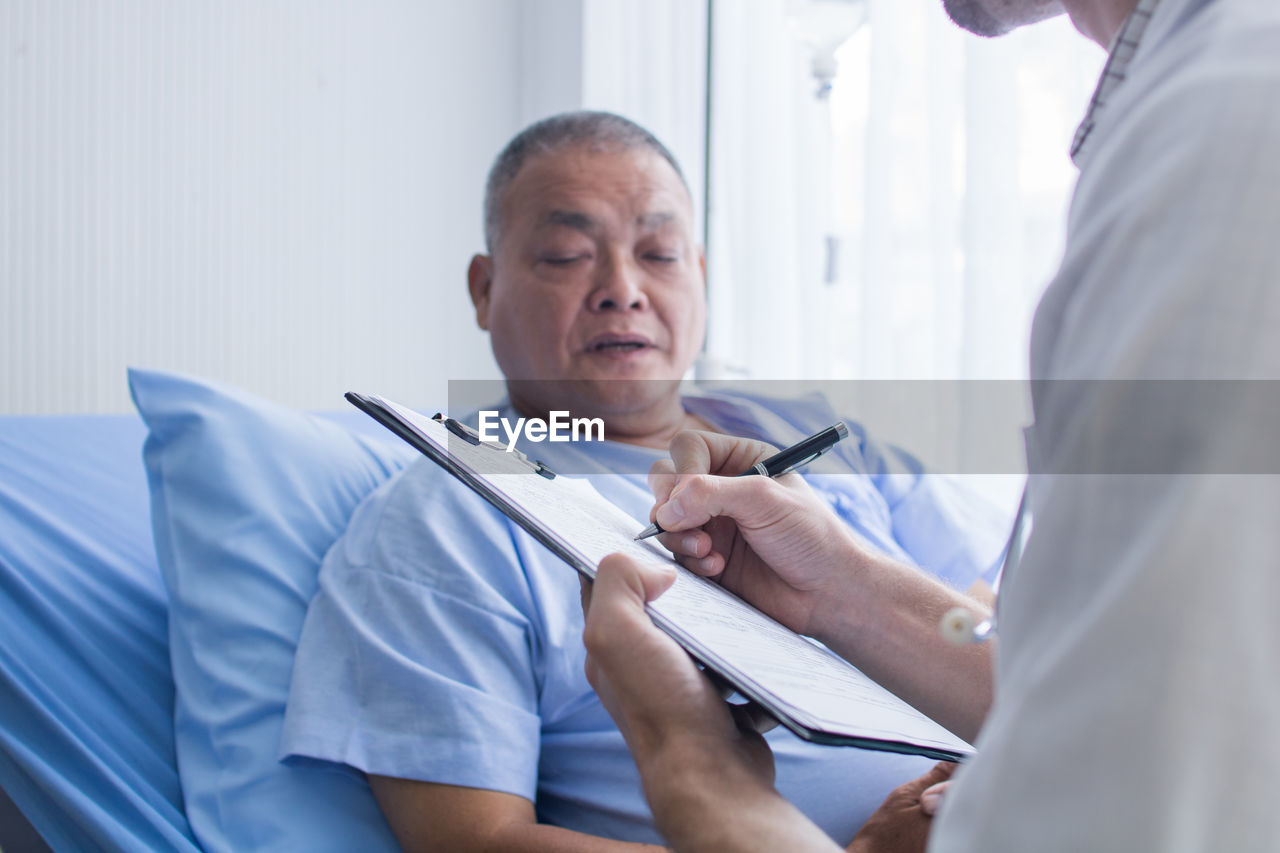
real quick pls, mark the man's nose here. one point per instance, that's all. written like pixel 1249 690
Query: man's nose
pixel 619 287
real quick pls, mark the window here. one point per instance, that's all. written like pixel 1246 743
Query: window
pixel 902 223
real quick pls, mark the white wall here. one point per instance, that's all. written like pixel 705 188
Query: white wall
pixel 644 59
pixel 283 194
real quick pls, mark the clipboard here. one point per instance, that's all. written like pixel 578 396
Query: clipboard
pixel 765 661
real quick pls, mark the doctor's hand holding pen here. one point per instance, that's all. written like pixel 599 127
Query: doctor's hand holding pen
pixel 770 540
pixel 775 544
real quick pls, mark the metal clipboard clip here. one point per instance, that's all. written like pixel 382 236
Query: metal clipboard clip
pixel 473 438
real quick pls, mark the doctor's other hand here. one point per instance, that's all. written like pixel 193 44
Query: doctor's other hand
pixel 708 782
pixel 771 541
pixel 650 686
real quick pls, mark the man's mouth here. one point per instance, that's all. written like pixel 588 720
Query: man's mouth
pixel 617 344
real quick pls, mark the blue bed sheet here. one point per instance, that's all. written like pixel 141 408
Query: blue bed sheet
pixel 86 695
pixel 86 686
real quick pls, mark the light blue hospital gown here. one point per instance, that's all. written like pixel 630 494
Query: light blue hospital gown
pixel 445 644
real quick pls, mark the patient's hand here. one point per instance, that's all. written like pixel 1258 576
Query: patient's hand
pixel 901 824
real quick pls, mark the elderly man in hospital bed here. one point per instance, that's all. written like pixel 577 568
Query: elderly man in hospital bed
pixel 442 656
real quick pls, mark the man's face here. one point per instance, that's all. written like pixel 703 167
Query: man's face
pixel 997 17
pixel 596 278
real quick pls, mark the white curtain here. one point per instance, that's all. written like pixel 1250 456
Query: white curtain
pixel 904 225
pixel 644 59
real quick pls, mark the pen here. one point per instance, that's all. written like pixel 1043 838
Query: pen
pixel 783 461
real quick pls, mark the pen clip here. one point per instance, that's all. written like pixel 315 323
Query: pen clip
pixel 805 461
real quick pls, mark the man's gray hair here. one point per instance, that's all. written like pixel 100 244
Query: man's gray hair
pixel 598 131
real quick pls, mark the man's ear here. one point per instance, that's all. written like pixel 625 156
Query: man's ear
pixel 702 264
pixel 479 283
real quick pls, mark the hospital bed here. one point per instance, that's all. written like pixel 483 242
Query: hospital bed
pixel 154 575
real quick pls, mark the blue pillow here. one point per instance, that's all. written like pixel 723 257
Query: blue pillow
pixel 246 498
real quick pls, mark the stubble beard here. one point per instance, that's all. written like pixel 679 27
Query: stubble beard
pixel 990 18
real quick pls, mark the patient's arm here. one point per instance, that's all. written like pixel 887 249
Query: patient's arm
pixel 430 816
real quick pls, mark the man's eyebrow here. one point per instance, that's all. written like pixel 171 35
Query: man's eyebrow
pixel 656 219
pixel 582 222
pixel 570 219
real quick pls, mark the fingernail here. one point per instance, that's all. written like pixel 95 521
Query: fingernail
pixel 690 544
pixel 930 800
